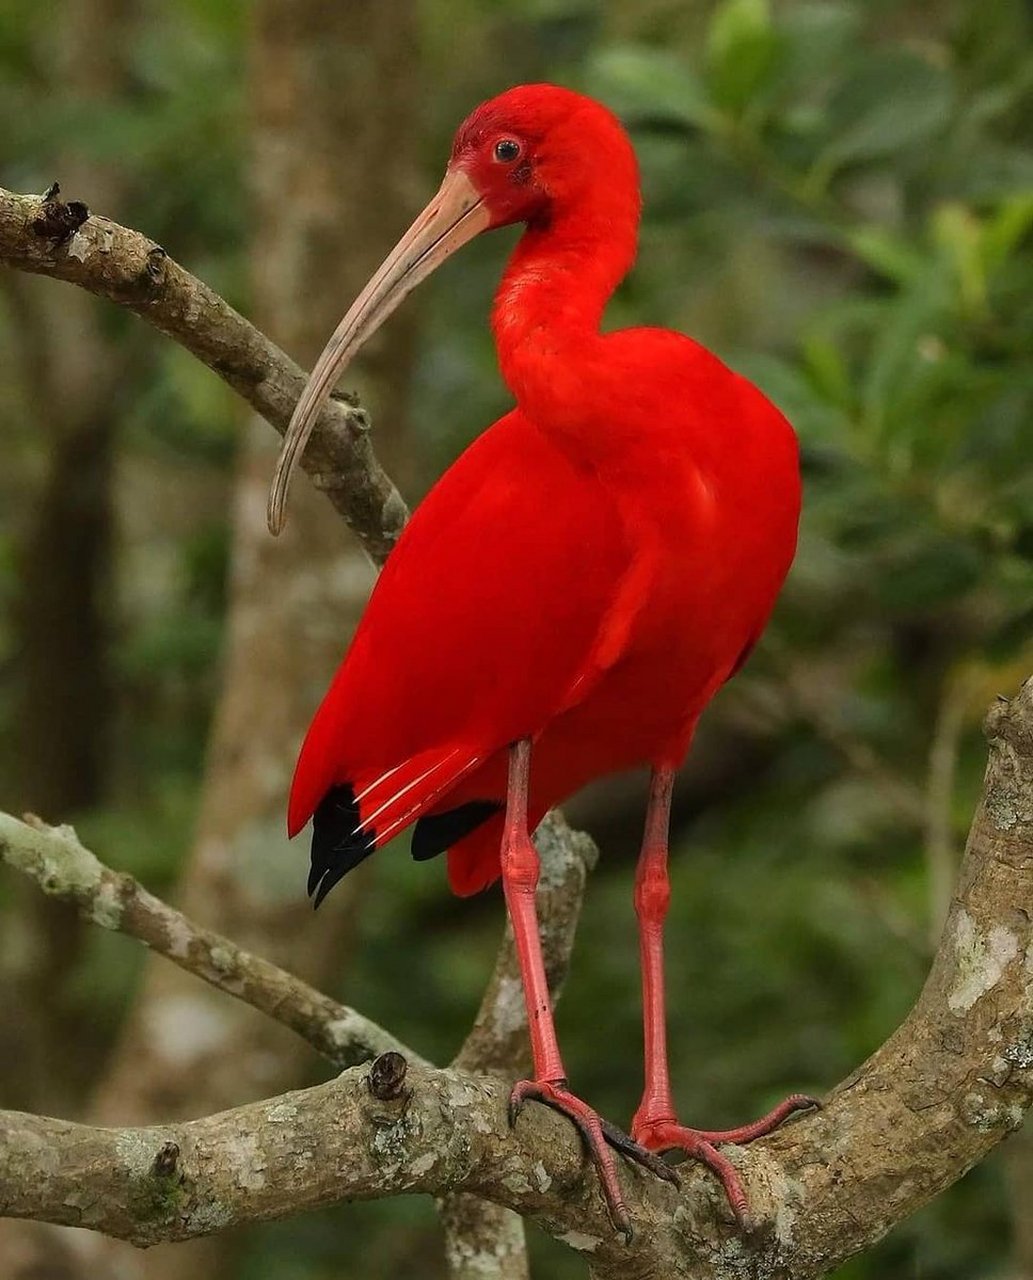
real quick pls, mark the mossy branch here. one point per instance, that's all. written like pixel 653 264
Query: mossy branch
pixel 63 868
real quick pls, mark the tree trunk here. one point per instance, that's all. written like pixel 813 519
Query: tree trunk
pixel 334 147
pixel 72 373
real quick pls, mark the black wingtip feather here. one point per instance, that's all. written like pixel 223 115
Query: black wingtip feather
pixel 440 831
pixel 339 842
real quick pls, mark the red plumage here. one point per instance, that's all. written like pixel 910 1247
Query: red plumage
pixel 595 565
pixel 588 588
pixel 572 592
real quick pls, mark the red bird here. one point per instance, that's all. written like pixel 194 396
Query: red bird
pixel 570 594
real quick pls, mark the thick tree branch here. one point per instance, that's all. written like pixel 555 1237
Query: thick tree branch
pixel 66 242
pixel 475 1231
pixel 312 1147
pixel 483 1241
pixel 949 1084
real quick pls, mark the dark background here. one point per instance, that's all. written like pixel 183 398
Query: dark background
pixel 839 199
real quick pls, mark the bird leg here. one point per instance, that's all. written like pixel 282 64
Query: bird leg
pixel 655 1124
pixel 520 866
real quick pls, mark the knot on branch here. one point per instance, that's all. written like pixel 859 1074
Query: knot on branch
pixel 166 1160
pixel 156 259
pixel 1009 776
pixel 1011 720
pixel 387 1077
pixel 58 220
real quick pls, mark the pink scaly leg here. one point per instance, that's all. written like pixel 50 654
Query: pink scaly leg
pixel 655 1124
pixel 520 867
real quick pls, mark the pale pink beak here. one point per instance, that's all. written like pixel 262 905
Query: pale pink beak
pixel 455 215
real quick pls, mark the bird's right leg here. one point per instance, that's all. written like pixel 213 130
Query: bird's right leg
pixel 520 868
pixel 655 1124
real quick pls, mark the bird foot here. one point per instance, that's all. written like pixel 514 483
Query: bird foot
pixel 599 1136
pixel 664 1134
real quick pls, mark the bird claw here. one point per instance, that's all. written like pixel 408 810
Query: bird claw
pixel 598 1136
pixel 627 1146
pixel 701 1145
pixel 676 1137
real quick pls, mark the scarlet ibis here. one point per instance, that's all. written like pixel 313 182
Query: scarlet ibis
pixel 570 594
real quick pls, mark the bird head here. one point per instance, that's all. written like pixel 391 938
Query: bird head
pixel 538 154
pixel 539 151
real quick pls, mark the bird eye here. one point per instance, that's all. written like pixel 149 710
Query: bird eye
pixel 507 150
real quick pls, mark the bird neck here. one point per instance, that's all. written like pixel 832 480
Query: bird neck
pixel 551 299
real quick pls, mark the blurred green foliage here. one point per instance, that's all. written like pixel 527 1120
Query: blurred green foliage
pixel 839 200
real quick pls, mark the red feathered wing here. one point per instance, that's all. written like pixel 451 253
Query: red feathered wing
pixel 479 626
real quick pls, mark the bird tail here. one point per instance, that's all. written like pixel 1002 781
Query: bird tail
pixel 474 857
pixel 357 815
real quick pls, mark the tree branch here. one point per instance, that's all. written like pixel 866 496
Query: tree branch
pixel 949 1084
pixel 54 858
pixel 64 241
pixel 63 868
pixel 474 1229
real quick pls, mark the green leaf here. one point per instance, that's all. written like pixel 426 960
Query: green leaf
pixel 815 39
pixel 741 50
pixel 957 233
pixel 916 313
pixel 895 100
pixel 642 83
pixel 927 569
pixel 1006 229
pixel 826 369
pixel 886 252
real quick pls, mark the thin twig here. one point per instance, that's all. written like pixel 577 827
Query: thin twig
pixel 55 859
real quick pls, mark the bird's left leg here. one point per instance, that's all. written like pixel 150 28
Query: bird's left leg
pixel 655 1124
pixel 520 867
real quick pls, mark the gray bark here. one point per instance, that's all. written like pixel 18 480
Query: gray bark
pixel 952 1082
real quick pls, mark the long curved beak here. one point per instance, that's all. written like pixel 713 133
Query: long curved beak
pixel 455 215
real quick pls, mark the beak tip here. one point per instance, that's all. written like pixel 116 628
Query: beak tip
pixel 449 221
pixel 274 516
